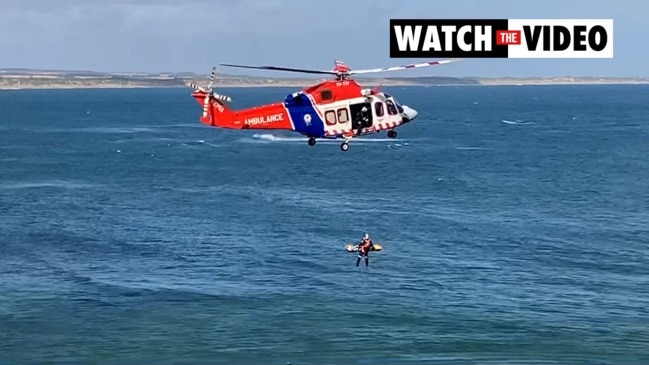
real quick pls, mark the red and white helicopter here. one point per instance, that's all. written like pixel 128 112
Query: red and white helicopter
pixel 338 108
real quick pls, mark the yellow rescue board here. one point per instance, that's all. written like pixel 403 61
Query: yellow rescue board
pixel 354 248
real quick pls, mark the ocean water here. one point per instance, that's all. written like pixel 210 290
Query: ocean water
pixel 515 222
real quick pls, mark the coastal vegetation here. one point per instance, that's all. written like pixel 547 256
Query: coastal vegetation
pixel 54 79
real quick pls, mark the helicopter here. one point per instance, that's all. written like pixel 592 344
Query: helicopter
pixel 331 109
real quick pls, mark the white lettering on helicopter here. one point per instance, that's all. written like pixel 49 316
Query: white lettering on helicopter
pixel 219 107
pixel 265 119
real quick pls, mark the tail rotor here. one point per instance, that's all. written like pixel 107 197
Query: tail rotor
pixel 209 93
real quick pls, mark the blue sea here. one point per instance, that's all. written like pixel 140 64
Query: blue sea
pixel 514 220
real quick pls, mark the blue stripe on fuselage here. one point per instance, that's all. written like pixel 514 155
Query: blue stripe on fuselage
pixel 299 107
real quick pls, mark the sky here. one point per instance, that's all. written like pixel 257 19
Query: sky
pixel 194 35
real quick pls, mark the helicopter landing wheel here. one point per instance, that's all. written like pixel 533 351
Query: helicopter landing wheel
pixel 344 146
pixel 392 134
pixel 311 142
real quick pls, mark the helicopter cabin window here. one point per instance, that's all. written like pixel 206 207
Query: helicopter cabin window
pixel 378 109
pixel 392 110
pixel 330 117
pixel 343 116
pixel 326 95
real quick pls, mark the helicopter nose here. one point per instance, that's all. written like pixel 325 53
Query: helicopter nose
pixel 409 112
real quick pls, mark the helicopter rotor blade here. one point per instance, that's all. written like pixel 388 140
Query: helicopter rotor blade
pixel 209 86
pixel 275 68
pixel 404 67
pixel 195 86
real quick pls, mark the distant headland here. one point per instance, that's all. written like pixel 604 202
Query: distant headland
pixel 16 78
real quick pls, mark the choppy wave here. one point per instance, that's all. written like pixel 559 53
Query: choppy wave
pixel 361 139
pixel 516 122
pixel 46 184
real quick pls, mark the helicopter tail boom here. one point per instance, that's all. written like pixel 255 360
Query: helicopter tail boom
pixel 270 116
pixel 217 114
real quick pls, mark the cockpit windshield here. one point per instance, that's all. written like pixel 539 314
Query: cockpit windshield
pixel 389 97
pixel 398 105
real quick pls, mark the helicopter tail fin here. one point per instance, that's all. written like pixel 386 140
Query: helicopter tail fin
pixel 215 111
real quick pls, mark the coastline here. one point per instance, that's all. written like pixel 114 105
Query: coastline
pixel 62 86
pixel 23 79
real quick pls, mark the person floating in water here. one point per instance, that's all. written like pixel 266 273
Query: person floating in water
pixel 364 247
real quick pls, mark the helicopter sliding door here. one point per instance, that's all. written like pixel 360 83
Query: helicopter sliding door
pixel 361 115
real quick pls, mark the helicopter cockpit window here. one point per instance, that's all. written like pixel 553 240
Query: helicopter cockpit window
pixel 398 104
pixel 378 109
pixel 392 110
pixel 326 95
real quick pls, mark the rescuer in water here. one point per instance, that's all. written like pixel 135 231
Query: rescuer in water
pixel 364 247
